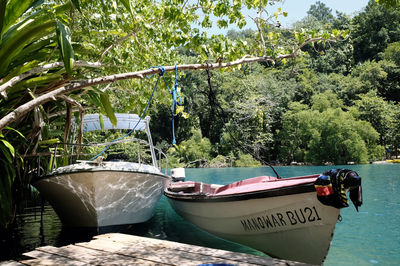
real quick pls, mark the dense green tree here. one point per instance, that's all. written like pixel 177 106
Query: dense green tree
pixel 394 149
pixel 389 3
pixel 328 58
pixel 373 29
pixel 246 160
pixel 321 12
pixel 390 88
pixel 195 149
pixel 308 81
pixel 325 133
pixel 292 142
pixel 392 53
pixel 379 113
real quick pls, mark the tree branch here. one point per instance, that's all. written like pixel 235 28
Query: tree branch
pixel 40 69
pixel 22 110
pixel 60 113
pixel 71 101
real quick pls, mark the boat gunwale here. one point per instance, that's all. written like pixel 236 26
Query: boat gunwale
pixel 268 193
pixel 51 175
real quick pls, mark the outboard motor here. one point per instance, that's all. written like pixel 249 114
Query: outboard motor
pixel 332 186
pixel 178 174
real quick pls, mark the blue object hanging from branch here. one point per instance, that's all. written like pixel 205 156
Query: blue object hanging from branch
pixel 175 94
pixel 161 74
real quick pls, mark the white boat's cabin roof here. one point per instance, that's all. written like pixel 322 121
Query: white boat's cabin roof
pixel 91 122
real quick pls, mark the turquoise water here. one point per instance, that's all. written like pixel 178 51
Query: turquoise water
pixel 370 236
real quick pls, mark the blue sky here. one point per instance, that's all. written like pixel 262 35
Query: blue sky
pixel 297 9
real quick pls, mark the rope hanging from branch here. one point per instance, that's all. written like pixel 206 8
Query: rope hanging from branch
pixel 175 96
pixel 161 74
pixel 175 93
pixel 222 115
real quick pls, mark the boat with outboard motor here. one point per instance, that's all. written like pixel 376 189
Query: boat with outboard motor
pixel 108 190
pixel 288 218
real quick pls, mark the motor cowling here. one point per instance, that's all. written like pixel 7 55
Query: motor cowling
pixel 331 187
pixel 178 174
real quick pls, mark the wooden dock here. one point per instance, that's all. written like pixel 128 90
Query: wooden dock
pixel 121 249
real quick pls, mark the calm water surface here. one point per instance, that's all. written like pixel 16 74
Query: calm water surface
pixel 371 236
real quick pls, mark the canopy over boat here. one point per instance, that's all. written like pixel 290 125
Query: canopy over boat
pixel 91 122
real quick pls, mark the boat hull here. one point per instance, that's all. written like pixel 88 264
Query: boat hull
pixel 100 198
pixel 294 227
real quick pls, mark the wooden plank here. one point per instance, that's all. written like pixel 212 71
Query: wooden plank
pixel 37 262
pixel 155 253
pixel 91 256
pixel 44 258
pixel 217 253
pixel 121 249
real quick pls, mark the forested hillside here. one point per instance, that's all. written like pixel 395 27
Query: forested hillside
pixel 339 103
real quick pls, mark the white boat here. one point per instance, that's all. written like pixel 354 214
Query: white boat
pixel 283 218
pixel 98 193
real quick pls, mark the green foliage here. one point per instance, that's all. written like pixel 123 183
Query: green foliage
pixel 219 162
pixel 392 53
pixel 334 57
pixel 389 3
pixel 321 12
pixel 10 162
pixel 325 133
pixel 27 40
pixel 246 160
pixel 379 113
pixel 191 150
pixel 64 42
pixel 373 30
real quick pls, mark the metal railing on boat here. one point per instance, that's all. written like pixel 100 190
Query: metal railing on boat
pixel 75 154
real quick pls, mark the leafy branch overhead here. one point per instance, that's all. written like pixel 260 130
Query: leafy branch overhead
pixel 126 26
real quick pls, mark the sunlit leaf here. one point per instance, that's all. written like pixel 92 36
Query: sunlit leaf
pixel 76 4
pixel 64 42
pixel 127 5
pixel 6 153
pixel 19 133
pixel 101 120
pixel 105 101
pixel 49 141
pixel 9 146
pixel 11 11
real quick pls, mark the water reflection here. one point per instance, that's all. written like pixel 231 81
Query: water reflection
pixel 36 227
